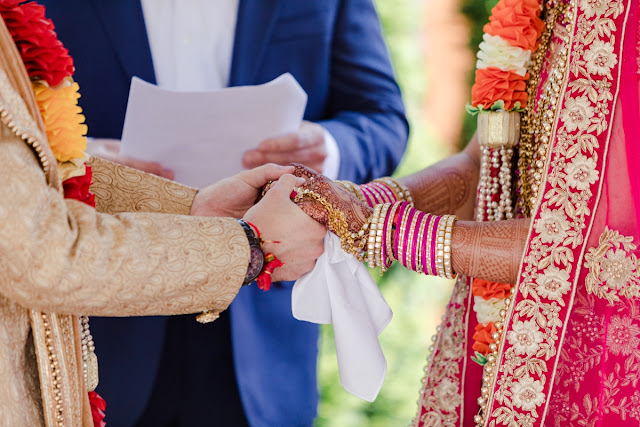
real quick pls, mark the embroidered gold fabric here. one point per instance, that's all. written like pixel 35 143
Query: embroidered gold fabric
pixel 122 189
pixel 59 259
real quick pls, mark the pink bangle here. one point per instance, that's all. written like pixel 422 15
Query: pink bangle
pixel 396 237
pixel 367 195
pixel 432 240
pixel 377 194
pixel 384 190
pixel 414 243
pixel 405 239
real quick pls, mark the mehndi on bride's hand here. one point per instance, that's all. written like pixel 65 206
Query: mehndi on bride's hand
pixel 333 206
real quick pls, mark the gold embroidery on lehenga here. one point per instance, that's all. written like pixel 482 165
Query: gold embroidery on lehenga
pixel 442 398
pixel 614 271
pixel 564 215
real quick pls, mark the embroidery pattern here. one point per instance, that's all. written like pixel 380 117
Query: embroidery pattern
pixel 586 349
pixel 531 347
pixel 613 273
pixel 441 401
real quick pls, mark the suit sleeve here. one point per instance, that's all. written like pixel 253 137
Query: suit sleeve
pixel 365 106
pixel 62 256
pixel 122 189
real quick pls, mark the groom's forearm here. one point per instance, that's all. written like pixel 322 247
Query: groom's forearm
pixel 120 189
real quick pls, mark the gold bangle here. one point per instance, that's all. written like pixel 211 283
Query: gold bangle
pixel 399 189
pixel 448 233
pixel 379 234
pixel 371 243
pixel 443 249
pixel 389 233
pixel 353 189
pixel 412 231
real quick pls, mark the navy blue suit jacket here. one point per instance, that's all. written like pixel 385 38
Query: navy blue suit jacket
pixel 335 50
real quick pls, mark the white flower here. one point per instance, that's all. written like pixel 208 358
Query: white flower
pixel 552 226
pixel 487 310
pixel 600 58
pixel 617 269
pixel 525 337
pixel 577 113
pixel 527 393
pixel 622 335
pixel 593 7
pixel 553 283
pixel 581 172
pixel 495 52
pixel 447 396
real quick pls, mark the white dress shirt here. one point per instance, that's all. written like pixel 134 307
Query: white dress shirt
pixel 191 45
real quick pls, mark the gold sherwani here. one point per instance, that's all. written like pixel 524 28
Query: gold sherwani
pixel 60 259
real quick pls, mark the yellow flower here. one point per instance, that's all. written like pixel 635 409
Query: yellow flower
pixel 62 119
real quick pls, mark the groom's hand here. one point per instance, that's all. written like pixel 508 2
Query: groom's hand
pixel 293 237
pixel 233 196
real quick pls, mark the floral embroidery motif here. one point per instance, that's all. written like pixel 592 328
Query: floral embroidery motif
pixel 534 327
pixel 581 172
pixel 614 272
pixel 622 337
pixel 578 113
pixel 525 337
pixel 527 393
pixel 553 283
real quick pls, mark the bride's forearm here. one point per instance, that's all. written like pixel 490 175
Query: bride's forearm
pixel 489 250
pixel 449 186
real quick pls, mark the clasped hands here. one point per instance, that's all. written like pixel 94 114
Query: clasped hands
pixel 293 233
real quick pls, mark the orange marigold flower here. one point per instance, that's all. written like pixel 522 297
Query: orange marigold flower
pixel 517 22
pixel 62 119
pixel 483 337
pixel 488 290
pixel 493 84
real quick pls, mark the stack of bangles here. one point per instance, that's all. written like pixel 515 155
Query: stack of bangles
pixel 418 240
pixel 382 190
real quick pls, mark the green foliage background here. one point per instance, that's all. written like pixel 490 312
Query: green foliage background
pixel 417 302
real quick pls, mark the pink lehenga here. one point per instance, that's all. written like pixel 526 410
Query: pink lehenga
pixel 570 350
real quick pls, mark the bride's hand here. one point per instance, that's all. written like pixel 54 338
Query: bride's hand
pixel 332 197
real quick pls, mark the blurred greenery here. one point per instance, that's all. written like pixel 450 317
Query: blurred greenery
pixel 417 301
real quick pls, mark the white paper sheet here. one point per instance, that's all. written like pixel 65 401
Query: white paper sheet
pixel 202 136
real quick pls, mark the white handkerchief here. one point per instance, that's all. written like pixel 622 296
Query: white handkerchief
pixel 340 290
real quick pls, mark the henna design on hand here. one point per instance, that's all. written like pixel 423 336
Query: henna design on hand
pixel 448 187
pixel 489 250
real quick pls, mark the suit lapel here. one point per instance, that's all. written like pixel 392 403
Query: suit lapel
pixel 256 19
pixel 123 22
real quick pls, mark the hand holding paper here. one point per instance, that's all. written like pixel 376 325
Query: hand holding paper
pixel 203 136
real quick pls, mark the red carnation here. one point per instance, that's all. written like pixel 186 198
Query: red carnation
pixel 98 406
pixel 77 188
pixel 43 54
pixel 8 4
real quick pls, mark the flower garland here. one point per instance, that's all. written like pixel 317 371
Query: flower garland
pixel 510 37
pixel 498 95
pixel 50 68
